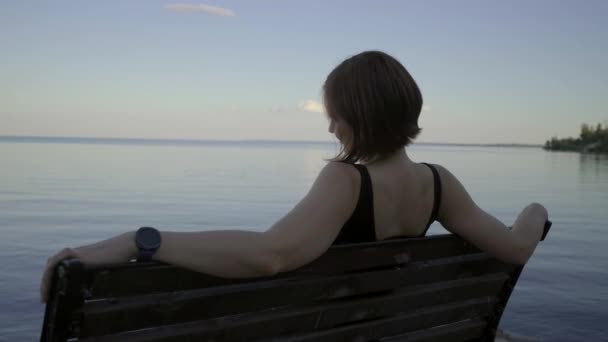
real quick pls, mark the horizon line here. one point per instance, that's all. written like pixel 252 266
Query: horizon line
pixel 75 139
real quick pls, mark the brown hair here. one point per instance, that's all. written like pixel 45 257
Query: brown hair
pixel 378 98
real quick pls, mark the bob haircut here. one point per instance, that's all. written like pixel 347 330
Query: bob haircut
pixel 380 101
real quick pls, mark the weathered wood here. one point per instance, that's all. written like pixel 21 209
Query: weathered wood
pixel 365 330
pixel 461 331
pixel 310 317
pixel 66 297
pixel 117 314
pixel 422 319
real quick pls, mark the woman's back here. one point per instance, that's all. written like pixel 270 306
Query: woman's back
pixel 396 198
pixel 404 195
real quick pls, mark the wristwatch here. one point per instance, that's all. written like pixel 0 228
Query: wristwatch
pixel 147 240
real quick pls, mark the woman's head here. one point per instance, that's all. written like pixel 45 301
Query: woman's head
pixel 373 104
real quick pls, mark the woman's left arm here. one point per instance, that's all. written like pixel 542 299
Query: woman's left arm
pixel 301 236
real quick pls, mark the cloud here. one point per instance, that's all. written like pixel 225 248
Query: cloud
pixel 312 106
pixel 226 12
pixel 426 108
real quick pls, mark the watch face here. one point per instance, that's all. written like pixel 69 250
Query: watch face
pixel 148 238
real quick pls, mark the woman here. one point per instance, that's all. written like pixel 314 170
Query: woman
pixel 370 191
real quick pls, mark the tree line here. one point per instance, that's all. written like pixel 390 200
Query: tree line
pixel 591 139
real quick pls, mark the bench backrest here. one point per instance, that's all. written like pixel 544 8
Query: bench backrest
pixel 421 289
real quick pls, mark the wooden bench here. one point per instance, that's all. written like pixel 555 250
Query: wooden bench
pixel 435 288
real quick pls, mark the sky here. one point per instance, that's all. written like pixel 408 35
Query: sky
pixel 489 71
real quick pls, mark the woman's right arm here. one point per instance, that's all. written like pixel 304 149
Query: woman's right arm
pixel 460 214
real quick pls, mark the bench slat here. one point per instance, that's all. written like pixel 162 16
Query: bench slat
pixel 122 314
pixel 422 319
pixel 455 332
pixel 109 281
pixel 320 316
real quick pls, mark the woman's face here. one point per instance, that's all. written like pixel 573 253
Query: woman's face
pixel 339 128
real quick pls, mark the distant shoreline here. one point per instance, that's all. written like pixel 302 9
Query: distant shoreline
pixel 150 141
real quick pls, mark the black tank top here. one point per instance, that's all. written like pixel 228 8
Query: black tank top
pixel 360 226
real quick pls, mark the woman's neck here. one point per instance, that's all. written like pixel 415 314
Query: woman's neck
pixel 400 156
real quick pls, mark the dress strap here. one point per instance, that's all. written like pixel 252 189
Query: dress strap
pixel 437 197
pixel 360 226
pixel 366 200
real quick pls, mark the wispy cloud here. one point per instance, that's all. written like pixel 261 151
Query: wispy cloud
pixel 226 12
pixel 312 106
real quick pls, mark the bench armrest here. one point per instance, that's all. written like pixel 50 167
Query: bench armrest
pixel 546 229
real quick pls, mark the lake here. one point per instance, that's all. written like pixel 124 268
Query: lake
pixel 56 193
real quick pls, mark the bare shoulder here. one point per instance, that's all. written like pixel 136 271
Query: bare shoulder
pixel 455 200
pixel 338 182
pixel 339 168
pixel 449 182
pixel 444 173
pixel 341 172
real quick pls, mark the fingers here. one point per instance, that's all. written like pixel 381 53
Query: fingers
pixel 47 276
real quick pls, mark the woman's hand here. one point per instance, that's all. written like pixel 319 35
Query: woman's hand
pixel 115 250
pixel 538 210
pixel 47 276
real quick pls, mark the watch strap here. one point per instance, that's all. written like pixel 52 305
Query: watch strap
pixel 145 255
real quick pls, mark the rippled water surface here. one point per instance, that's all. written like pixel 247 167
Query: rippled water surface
pixel 57 194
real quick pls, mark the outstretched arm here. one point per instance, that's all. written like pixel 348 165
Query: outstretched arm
pixel 461 215
pixel 301 236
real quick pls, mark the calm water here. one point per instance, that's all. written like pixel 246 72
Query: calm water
pixel 54 195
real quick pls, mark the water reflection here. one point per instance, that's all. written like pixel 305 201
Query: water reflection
pixel 593 168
